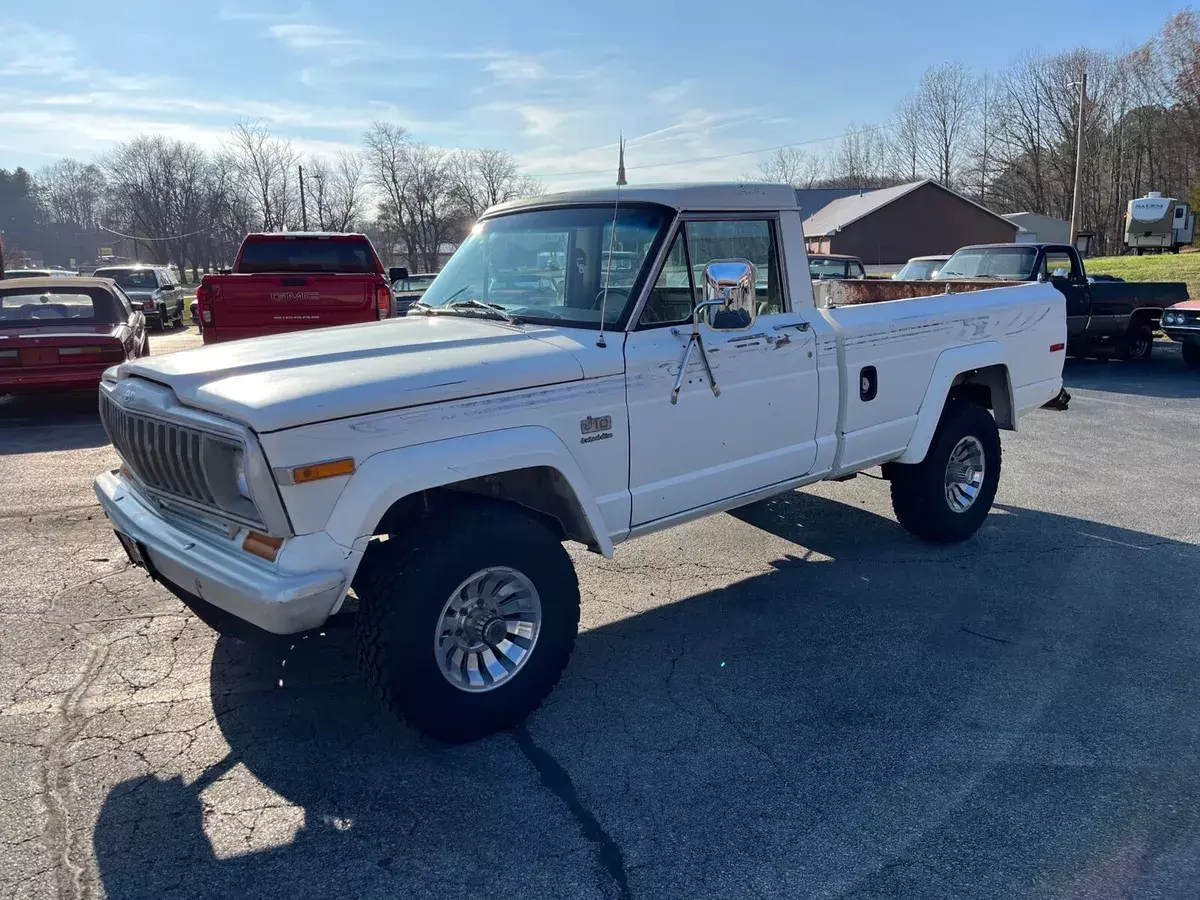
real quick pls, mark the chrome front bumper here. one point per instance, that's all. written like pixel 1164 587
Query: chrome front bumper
pixel 224 577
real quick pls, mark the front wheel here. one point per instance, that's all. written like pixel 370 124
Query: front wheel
pixel 465 625
pixel 945 497
pixel 1191 355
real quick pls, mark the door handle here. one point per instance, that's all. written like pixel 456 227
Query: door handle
pixel 803 326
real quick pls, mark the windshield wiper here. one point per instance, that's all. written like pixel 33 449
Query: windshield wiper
pixel 494 308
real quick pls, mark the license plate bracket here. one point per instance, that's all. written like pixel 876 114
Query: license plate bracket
pixel 136 551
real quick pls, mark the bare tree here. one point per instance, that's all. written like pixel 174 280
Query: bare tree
pixel 484 177
pixel 792 165
pixel 158 195
pixel 984 149
pixel 905 139
pixel 945 106
pixel 73 192
pixel 266 169
pixel 337 191
pixel 858 160
pixel 386 152
pixel 430 206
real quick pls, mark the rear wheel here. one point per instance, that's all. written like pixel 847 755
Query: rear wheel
pixel 945 497
pixel 1191 355
pixel 1137 345
pixel 465 626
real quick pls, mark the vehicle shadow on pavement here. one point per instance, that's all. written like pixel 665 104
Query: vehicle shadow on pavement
pixel 1162 376
pixel 1013 716
pixel 34 423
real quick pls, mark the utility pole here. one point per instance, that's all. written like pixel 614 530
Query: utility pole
pixel 1076 212
pixel 304 206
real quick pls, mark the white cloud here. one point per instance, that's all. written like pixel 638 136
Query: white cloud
pixel 671 94
pixel 26 51
pixel 515 67
pixel 307 36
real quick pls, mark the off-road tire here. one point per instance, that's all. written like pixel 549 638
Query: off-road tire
pixel 919 491
pixel 402 586
pixel 1191 355
pixel 1137 345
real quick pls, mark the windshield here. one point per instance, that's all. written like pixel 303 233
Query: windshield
pixel 70 306
pixel 131 279
pixel 551 264
pixel 341 256
pixel 824 267
pixel 413 283
pixel 919 270
pixel 1008 263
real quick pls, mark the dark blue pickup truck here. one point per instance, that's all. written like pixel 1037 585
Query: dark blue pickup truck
pixel 1120 314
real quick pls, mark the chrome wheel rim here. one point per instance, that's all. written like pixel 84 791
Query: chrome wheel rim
pixel 964 474
pixel 488 628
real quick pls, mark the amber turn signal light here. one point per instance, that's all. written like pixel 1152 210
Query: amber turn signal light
pixel 317 471
pixel 262 545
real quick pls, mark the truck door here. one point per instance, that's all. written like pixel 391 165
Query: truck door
pixel 761 429
pixel 1061 266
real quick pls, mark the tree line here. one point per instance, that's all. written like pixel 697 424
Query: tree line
pixel 169 200
pixel 1007 139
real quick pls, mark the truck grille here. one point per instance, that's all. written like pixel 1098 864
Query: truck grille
pixel 164 456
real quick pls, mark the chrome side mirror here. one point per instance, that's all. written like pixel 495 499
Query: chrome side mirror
pixel 729 295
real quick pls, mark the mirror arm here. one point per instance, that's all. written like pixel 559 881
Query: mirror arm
pixel 696 340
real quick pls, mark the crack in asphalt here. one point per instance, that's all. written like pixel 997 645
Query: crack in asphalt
pixel 558 782
pixel 68 874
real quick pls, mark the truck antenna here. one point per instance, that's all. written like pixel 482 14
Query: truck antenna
pixel 612 236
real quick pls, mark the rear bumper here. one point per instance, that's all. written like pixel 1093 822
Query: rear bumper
pixel 224 579
pixel 14 381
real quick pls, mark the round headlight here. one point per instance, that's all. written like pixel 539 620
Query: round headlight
pixel 239 475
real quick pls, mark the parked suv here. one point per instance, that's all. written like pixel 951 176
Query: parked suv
pixel 153 289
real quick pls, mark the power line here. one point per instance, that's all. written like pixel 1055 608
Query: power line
pixel 174 237
pixel 684 162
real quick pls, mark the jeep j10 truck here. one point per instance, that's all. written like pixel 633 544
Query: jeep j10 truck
pixel 436 463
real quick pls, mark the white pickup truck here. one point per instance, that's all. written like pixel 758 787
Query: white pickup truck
pixel 436 463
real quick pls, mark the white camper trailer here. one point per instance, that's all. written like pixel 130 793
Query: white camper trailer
pixel 1158 223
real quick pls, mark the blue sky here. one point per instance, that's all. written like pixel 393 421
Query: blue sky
pixel 553 83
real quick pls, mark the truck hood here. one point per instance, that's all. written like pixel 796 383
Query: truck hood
pixel 271 383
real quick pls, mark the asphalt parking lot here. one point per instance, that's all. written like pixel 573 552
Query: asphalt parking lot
pixel 793 700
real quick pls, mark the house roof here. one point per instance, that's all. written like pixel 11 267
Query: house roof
pixel 812 200
pixel 848 210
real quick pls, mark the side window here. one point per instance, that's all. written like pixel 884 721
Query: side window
pixel 671 299
pixel 752 240
pixel 124 300
pixel 1058 265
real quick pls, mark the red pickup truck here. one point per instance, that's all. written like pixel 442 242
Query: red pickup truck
pixel 292 281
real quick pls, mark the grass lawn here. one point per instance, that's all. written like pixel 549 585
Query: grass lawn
pixel 1165 267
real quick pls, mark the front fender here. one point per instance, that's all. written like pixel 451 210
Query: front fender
pixel 950 364
pixel 386 477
